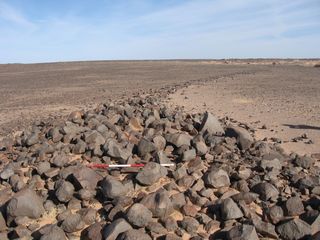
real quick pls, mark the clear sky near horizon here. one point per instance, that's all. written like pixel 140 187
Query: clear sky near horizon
pixel 68 30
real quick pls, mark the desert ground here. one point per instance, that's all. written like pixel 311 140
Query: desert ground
pixel 281 95
pixel 122 150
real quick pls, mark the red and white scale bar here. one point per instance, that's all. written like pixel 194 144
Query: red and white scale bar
pixel 125 165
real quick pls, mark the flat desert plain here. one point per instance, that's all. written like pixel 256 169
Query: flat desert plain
pixel 279 99
pixel 160 150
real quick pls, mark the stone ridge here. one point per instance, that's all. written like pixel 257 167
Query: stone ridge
pixel 225 184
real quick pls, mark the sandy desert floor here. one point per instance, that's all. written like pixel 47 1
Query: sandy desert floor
pixel 281 102
pixel 283 97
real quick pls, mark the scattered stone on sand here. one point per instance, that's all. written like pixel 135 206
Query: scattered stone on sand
pixel 243 137
pixel 217 178
pixel 223 184
pixel 151 173
pixel 266 191
pixel 64 191
pixel 25 203
pixel 158 203
pixel 114 229
pixel 294 229
pixel 138 215
pixel 112 188
pixel 243 232
pixel 72 223
pixel 294 206
pixel 211 124
pixel 230 210
pixel 53 232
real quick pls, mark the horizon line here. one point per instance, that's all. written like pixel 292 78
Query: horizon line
pixel 160 59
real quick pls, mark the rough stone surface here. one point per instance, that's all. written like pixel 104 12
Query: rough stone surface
pixel 211 124
pixel 138 215
pixel 54 233
pixel 114 229
pixel 94 232
pixel 115 150
pixel 294 229
pixel 243 137
pixel 230 210
pixel 151 173
pixel 112 188
pixel 64 191
pixel 190 225
pixel 266 191
pixel 85 177
pixel 217 178
pixel 134 234
pixel 179 139
pixel 243 232
pixel 305 162
pixel 72 223
pixel 158 203
pixel 145 146
pixel 294 206
pixel 25 203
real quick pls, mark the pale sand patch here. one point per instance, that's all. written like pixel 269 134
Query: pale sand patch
pixel 286 115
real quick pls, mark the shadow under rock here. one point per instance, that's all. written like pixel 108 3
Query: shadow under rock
pixel 301 126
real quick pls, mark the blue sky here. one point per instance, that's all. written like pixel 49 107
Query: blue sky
pixel 67 30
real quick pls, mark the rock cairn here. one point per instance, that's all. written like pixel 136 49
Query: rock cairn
pixel 224 185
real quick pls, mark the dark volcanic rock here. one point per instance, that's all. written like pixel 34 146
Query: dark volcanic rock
pixel 93 232
pixel 80 147
pixel 3 225
pixel 32 139
pixel 60 160
pixel 178 200
pixel 151 173
pixel 53 233
pixel 43 167
pixel 145 146
pixel 188 155
pixel 138 215
pixel 274 214
pixel 158 203
pixel 294 229
pixel 266 191
pixel 265 229
pixel 243 232
pixel 135 234
pixel 85 177
pixel 304 162
pixel 64 191
pixel 112 188
pixel 178 139
pixel 294 206
pixel 217 178
pixel 190 225
pixel 72 223
pixel 273 164
pixel 6 173
pixel 88 215
pixel 115 150
pixel 156 228
pixel 230 210
pixel 247 197
pixel 114 229
pixel 211 124
pixel 25 203
pixel 243 137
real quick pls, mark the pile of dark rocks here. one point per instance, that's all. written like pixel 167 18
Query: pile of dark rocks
pixel 224 185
